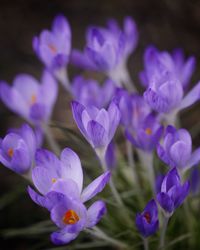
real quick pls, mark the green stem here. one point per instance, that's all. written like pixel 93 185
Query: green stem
pixel 163 232
pixel 146 244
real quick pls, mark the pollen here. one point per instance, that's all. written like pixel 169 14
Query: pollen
pixel 10 152
pixel 147 216
pixel 70 217
pixel 148 131
pixel 52 48
pixel 53 180
pixel 33 99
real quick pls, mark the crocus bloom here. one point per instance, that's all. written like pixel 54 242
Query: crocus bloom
pixel 176 150
pixel 89 92
pixel 53 47
pixel 111 156
pixel 30 99
pixel 17 150
pixel 172 193
pixel 61 184
pixel 108 49
pixel 147 135
pixel 147 222
pixel 64 175
pixel 157 64
pixel 133 108
pixel 98 126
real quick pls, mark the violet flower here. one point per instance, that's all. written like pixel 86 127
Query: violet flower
pixel 176 150
pixel 111 156
pixel 61 184
pixel 147 222
pixel 157 64
pixel 17 150
pixel 54 47
pixel 165 87
pixel 98 126
pixel 172 193
pixel 147 135
pixel 89 92
pixel 30 99
pixel 108 49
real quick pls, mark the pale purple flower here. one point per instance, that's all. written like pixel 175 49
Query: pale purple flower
pixel 54 47
pixel 172 193
pixel 89 92
pixel 98 126
pixel 30 99
pixel 176 150
pixel 17 150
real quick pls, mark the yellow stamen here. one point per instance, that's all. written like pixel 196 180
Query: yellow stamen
pixel 53 180
pixel 70 217
pixel 33 99
pixel 10 152
pixel 148 131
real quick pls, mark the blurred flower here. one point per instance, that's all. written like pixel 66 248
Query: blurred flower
pixel 111 156
pixel 54 47
pixel 176 150
pixel 30 99
pixel 165 78
pixel 195 180
pixel 98 126
pixel 61 183
pixel 133 108
pixel 157 64
pixel 147 222
pixel 89 92
pixel 172 193
pixel 147 135
pixel 17 150
pixel 108 49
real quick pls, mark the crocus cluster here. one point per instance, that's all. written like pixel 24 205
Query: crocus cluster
pixel 147 134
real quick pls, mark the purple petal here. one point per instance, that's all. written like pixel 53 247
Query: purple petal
pixel 72 167
pixel 97 134
pixel 62 237
pixel 194 159
pixel 95 187
pixel 114 116
pixel 165 202
pixel 95 213
pixel 77 110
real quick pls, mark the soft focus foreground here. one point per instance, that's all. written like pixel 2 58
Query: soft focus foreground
pixel 119 170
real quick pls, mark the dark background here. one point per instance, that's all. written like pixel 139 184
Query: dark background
pixel 167 24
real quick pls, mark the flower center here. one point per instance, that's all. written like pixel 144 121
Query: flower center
pixel 53 180
pixel 33 99
pixel 148 131
pixel 70 217
pixel 147 216
pixel 52 48
pixel 10 152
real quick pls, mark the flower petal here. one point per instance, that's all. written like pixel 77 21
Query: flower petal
pixel 165 202
pixel 95 187
pixel 95 213
pixel 62 237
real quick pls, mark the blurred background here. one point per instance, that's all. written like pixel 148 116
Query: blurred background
pixel 167 24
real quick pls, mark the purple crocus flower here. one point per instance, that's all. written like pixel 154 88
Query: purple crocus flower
pixel 147 222
pixel 147 135
pixel 17 150
pixel 64 175
pixel 98 126
pixel 110 156
pixel 157 64
pixel 30 99
pixel 176 150
pixel 89 92
pixel 54 47
pixel 172 193
pixel 61 184
pixel 108 49
pixel 133 108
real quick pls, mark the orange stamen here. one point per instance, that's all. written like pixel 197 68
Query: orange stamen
pixel 33 99
pixel 52 48
pixel 70 217
pixel 147 216
pixel 10 152
pixel 148 131
pixel 53 180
